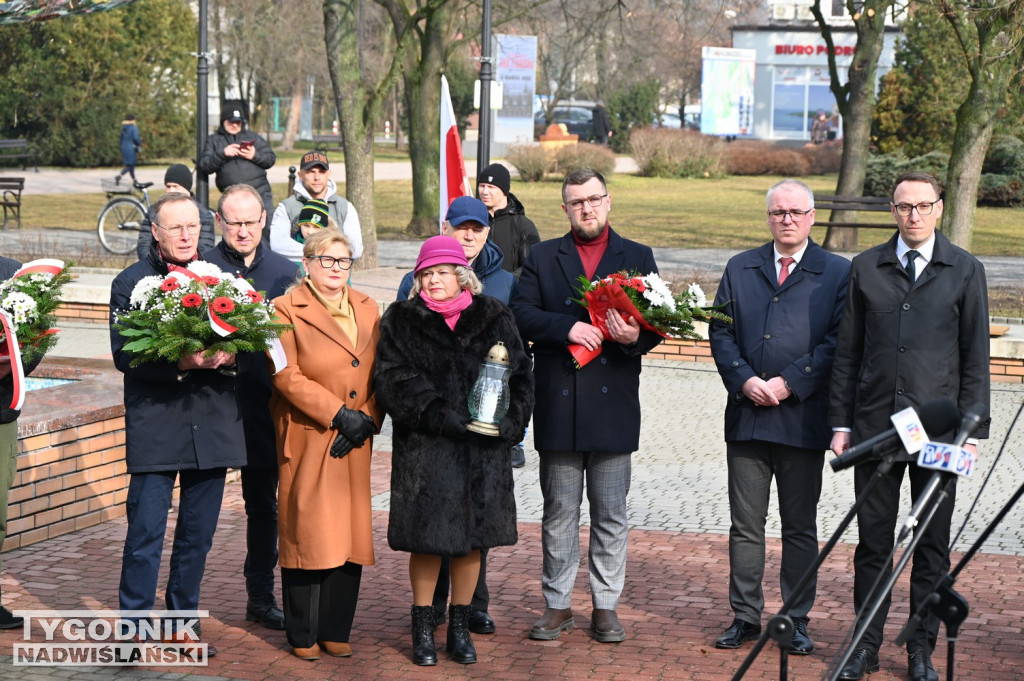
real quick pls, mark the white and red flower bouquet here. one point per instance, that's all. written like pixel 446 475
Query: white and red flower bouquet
pixel 192 309
pixel 649 300
pixel 28 302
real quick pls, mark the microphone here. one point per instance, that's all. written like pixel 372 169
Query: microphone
pixel 937 416
pixel 946 460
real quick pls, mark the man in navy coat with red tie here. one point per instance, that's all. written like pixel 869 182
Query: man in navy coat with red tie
pixel 786 299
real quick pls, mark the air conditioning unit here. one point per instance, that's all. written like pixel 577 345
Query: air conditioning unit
pixel 783 12
pixel 803 13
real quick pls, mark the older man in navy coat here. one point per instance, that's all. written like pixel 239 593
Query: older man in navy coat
pixel 786 299
pixel 183 421
pixel 587 421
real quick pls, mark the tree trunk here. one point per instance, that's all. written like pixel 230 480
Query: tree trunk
pixel 856 102
pixel 291 126
pixel 355 107
pixel 993 66
pixel 422 80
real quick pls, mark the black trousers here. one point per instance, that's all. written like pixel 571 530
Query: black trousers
pixel 319 604
pixel 481 599
pixel 876 522
pixel 259 491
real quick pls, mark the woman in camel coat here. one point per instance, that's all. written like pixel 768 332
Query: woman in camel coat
pixel 324 416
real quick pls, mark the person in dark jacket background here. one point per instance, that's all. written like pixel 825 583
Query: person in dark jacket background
pixel 785 298
pixel 240 216
pixel 239 156
pixel 602 124
pixel 182 421
pixel 8 439
pixel 130 145
pixel 178 178
pixel 511 230
pixel 451 489
pixel 467 221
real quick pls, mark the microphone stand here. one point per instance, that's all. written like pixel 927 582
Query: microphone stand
pixel 874 600
pixel 780 626
pixel 950 607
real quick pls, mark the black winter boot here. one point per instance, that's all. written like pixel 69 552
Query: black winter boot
pixel 459 645
pixel 424 653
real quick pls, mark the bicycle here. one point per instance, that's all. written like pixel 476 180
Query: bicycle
pixel 121 218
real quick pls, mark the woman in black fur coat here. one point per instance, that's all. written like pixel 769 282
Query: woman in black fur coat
pixel 451 489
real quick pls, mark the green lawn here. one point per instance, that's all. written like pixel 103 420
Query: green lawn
pixel 697 213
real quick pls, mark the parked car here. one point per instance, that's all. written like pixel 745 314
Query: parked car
pixel 578 119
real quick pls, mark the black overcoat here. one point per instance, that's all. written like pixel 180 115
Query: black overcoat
pixel 596 408
pixel 448 495
pixel 902 344
pixel 173 420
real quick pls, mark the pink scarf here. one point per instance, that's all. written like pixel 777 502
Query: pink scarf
pixel 449 309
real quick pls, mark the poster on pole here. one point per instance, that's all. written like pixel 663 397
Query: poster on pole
pixel 516 58
pixel 727 91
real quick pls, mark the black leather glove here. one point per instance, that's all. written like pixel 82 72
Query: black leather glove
pixel 356 425
pixel 341 446
pixel 453 426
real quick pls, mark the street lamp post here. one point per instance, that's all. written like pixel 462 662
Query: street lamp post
pixel 202 113
pixel 483 154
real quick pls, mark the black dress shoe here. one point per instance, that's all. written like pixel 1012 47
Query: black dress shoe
pixel 863 661
pixel 266 612
pixel 919 666
pixel 9 621
pixel 801 643
pixel 480 622
pixel 739 632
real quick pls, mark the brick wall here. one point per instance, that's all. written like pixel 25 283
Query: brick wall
pixel 1003 370
pixel 84 312
pixel 67 479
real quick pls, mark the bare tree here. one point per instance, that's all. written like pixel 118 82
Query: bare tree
pixel 992 43
pixel 856 100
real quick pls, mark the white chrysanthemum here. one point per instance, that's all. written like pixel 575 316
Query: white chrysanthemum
pixel 142 294
pixel 21 307
pixel 696 294
pixel 658 292
pixel 208 269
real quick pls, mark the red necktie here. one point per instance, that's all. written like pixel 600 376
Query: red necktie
pixel 784 264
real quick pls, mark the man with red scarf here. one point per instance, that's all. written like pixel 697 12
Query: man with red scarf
pixel 587 420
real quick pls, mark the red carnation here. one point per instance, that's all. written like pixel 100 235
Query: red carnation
pixel 254 296
pixel 222 305
pixel 191 300
pixel 211 281
pixel 170 284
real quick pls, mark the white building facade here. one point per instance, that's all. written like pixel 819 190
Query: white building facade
pixel 791 83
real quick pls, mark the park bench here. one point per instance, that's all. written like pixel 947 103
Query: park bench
pixel 826 203
pixel 10 190
pixel 19 149
pixel 327 142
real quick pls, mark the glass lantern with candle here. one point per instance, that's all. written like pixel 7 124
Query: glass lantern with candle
pixel 488 402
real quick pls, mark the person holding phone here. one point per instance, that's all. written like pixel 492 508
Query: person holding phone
pixel 238 155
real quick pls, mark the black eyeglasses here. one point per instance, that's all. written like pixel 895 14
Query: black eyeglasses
pixel 327 262
pixel 234 226
pixel 925 208
pixel 780 215
pixel 594 201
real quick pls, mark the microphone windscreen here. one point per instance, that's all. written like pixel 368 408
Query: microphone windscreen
pixel 939 416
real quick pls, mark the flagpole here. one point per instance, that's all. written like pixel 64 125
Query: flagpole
pixel 483 153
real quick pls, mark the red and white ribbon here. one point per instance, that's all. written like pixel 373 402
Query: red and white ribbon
pixel 219 326
pixel 11 349
pixel 41 266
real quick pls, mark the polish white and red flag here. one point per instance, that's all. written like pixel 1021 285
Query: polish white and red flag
pixel 454 182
